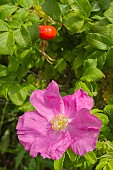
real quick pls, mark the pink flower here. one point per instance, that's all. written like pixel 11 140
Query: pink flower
pixel 58 123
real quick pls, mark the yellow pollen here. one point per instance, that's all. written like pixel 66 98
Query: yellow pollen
pixel 59 122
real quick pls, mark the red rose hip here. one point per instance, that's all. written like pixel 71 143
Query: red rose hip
pixel 47 32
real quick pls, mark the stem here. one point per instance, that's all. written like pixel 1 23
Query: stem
pixel 38 163
pixel 3 115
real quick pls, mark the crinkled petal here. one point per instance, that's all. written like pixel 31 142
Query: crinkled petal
pixel 76 101
pixel 82 100
pixel 30 126
pixel 51 146
pixel 84 130
pixel 48 102
pixel 69 106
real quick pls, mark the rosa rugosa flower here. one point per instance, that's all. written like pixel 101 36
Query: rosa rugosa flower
pixel 58 123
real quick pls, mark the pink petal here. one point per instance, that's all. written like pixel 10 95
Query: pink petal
pixel 51 146
pixel 84 130
pixel 69 106
pixel 82 100
pixel 47 102
pixel 30 126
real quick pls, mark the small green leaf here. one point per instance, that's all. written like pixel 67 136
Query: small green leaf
pixel 81 7
pixel 109 13
pixel 26 3
pixel 58 164
pixel 13 64
pixel 17 94
pixel 3 70
pixel 61 65
pixel 6 43
pixel 3 26
pixel 92 74
pixel 99 41
pixel 6 10
pixel 91 157
pixel 71 154
pixel 22 37
pixel 73 22
pixel 51 8
pixel 83 86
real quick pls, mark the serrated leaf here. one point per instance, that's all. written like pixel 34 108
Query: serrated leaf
pixel 21 15
pixel 101 165
pixel 71 154
pixel 26 3
pixel 58 164
pixel 3 70
pixel 54 12
pixel 96 54
pixel 91 157
pixel 6 43
pixel 61 64
pixel 81 7
pixel 99 41
pixel 73 22
pixel 83 86
pixel 6 10
pixel 22 37
pixel 92 74
pixel 109 13
pixel 3 26
pixel 13 64
pixel 17 94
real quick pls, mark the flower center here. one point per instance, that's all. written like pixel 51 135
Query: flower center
pixel 59 122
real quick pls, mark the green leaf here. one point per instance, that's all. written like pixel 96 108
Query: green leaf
pixel 13 64
pixel 101 165
pixel 6 43
pixel 108 110
pixel 3 26
pixel 26 3
pixel 83 86
pixel 19 157
pixel 6 10
pixel 71 154
pixel 26 107
pixel 61 65
pixel 21 15
pixel 51 8
pixel 92 74
pixel 3 70
pixel 58 164
pixel 73 22
pixel 17 94
pixel 22 37
pixel 13 24
pixel 90 63
pixel 90 157
pixel 99 41
pixel 81 7
pixel 96 54
pixel 109 13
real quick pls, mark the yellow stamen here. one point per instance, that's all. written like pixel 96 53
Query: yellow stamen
pixel 59 122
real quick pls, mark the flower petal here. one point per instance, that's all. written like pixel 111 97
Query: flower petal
pixel 84 130
pixel 69 106
pixel 83 100
pixel 47 102
pixel 30 126
pixel 52 146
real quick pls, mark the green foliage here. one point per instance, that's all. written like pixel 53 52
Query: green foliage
pixel 81 56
